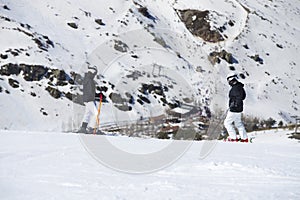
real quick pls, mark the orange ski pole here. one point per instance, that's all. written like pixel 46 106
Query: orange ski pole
pixel 98 114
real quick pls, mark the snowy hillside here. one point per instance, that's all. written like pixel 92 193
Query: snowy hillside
pixel 46 166
pixel 183 49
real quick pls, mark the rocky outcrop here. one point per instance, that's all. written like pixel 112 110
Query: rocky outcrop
pixel 215 57
pixel 35 73
pixel 120 46
pixel 55 93
pixel 197 22
pixel 120 102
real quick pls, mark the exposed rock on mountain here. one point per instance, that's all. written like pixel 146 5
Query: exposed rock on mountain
pixel 197 22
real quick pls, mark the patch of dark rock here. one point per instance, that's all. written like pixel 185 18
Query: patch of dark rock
pixel 48 41
pixel 151 88
pixel 13 83
pixel 222 29
pixel 231 23
pixel 232 68
pixel 24 32
pixel 131 100
pixel 123 22
pixel 3 56
pixel 27 26
pixel 144 11
pixel 258 59
pixel 245 46
pixel 5 18
pixel 117 98
pixel 59 75
pixel 214 57
pixel 100 22
pixel 279 46
pixel 110 8
pixel 33 94
pixel 102 88
pixel 140 101
pixel 166 89
pixel 33 72
pixel 164 100
pixel 157 90
pixel 69 96
pixel 6 7
pixel 14 53
pixel 197 22
pixel 120 46
pixel 71 81
pixel 10 69
pixel 130 97
pixel 134 56
pixel 144 89
pixel 43 112
pixel 144 99
pixel 55 93
pixel 42 45
pixel 73 25
pixel 112 85
pixel 242 76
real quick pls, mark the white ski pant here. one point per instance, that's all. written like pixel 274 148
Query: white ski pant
pixel 90 113
pixel 233 120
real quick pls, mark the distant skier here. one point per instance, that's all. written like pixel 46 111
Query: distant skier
pixel 89 91
pixel 236 96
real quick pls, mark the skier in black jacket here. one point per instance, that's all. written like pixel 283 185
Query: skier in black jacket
pixel 89 90
pixel 236 96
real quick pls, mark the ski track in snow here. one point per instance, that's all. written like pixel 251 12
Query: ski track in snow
pixel 56 166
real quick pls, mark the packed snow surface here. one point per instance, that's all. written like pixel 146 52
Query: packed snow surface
pixel 40 165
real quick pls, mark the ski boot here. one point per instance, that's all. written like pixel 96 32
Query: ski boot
pixel 83 127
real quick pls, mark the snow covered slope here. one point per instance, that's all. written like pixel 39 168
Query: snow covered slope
pixel 144 41
pixel 39 165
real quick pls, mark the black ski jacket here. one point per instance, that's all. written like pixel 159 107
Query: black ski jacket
pixel 236 96
pixel 89 87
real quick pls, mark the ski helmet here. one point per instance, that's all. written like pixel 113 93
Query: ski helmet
pixel 232 76
pixel 232 79
pixel 92 69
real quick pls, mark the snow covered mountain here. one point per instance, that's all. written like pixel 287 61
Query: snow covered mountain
pixel 152 56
